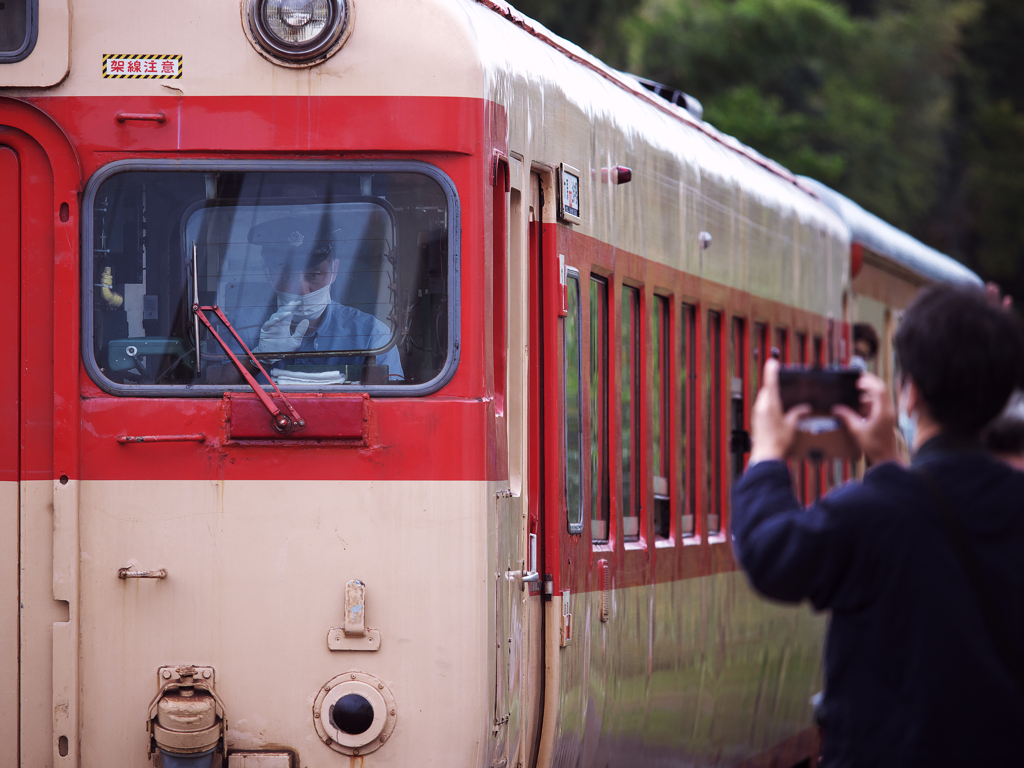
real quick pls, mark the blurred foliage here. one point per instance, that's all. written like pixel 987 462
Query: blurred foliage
pixel 592 24
pixel 913 108
pixel 990 139
pixel 860 103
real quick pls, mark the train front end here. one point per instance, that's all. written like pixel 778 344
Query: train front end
pixel 253 467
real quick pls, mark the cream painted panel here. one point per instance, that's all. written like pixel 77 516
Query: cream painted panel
pixel 703 669
pixel 9 558
pixel 38 615
pixel 256 572
pixel 49 61
pixel 386 54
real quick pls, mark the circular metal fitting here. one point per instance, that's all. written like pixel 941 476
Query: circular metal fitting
pixel 297 33
pixel 374 731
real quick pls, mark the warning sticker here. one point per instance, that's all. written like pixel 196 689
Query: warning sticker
pixel 145 66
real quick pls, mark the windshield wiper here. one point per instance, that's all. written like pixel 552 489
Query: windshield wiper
pixel 282 422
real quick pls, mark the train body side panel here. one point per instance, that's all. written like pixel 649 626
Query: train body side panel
pixel 701 670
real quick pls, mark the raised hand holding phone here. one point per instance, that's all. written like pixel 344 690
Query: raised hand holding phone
pixel 795 412
pixel 773 431
pixel 875 432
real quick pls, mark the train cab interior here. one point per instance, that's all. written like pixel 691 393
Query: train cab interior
pixel 165 242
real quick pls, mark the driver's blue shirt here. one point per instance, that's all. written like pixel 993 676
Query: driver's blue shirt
pixel 340 328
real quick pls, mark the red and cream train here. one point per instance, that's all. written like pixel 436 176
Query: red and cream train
pixel 473 510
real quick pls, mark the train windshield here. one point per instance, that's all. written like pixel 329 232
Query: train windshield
pixel 330 279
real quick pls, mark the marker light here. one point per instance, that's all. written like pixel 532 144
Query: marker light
pixel 298 33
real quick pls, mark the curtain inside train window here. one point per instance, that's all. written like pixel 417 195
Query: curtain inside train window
pixel 600 496
pixel 333 280
pixel 661 407
pixel 630 399
pixel 573 354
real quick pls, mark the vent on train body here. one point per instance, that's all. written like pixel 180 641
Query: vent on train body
pixel 674 96
pixel 297 33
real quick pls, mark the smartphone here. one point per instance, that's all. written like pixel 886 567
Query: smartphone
pixel 820 434
pixel 821 388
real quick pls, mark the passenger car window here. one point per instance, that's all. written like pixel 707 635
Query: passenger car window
pixel 19 29
pixel 687 378
pixel 600 502
pixel 661 406
pixel 573 351
pixel 713 425
pixel 630 399
pixel 334 279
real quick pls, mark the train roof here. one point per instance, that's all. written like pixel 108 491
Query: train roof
pixel 645 90
pixel 865 228
pixel 894 244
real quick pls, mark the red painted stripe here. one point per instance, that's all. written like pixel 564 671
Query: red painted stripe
pixel 270 125
pixel 409 439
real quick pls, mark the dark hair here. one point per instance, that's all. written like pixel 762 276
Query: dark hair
pixel 964 354
pixel 866 332
pixel 1005 435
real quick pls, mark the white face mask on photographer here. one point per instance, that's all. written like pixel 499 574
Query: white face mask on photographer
pixel 906 422
pixel 310 305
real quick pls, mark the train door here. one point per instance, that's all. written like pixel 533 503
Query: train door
pixel 556 442
pixel 39 178
pixel 538 690
pixel 517 683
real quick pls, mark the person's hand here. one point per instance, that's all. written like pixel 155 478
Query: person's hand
pixel 276 335
pixel 773 433
pixel 875 432
pixel 995 296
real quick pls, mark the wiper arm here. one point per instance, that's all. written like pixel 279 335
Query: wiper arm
pixel 282 422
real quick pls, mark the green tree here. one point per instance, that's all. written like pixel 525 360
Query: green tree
pixel 913 108
pixel 595 25
pixel 987 188
pixel 858 103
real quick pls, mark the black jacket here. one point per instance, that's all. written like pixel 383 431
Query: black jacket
pixel 912 676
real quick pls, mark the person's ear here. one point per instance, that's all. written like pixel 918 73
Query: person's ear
pixel 914 399
pixel 335 263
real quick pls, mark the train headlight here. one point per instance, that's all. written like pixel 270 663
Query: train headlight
pixel 297 33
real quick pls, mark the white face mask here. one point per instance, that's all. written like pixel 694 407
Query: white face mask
pixel 906 422
pixel 311 305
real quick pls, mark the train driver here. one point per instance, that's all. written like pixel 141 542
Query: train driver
pixel 301 269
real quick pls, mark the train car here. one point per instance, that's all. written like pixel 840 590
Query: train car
pixel 377 374
pixel 888 267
